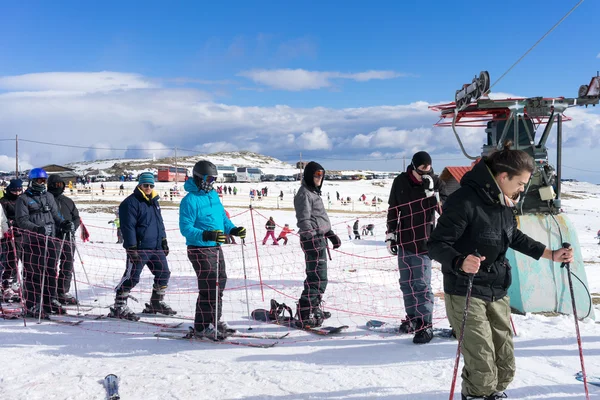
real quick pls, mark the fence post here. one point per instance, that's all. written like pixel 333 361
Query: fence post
pixel 257 257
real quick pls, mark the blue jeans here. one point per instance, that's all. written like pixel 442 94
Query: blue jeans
pixel 156 262
pixel 415 283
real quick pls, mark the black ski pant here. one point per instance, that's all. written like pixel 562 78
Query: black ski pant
pixel 315 255
pixel 205 261
pixel 34 267
pixel 9 257
pixel 65 267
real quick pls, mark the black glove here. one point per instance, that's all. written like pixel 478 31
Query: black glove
pixel 165 247
pixel 40 229
pixel 391 243
pixel 334 239
pixel 214 236
pixel 133 255
pixel 240 232
pixel 67 226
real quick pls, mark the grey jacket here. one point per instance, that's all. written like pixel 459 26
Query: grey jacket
pixel 29 212
pixel 310 213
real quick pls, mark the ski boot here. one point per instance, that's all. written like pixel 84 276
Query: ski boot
pixel 225 329
pixel 207 332
pixel 423 332
pixel 67 299
pixel 407 325
pixel 55 307
pixel 120 309
pixel 34 312
pixel 10 296
pixel 309 317
pixel 157 305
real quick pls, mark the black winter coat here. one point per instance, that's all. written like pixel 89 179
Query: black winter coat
pixel 68 210
pixel 474 220
pixel 8 203
pixel 410 213
pixel 33 209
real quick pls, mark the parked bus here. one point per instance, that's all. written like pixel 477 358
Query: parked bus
pixel 172 174
pixel 226 173
pixel 248 174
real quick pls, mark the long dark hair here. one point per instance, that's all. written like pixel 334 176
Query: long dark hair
pixel 513 162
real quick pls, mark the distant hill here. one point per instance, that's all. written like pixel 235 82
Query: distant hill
pixel 235 158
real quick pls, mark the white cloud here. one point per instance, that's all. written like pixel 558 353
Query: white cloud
pixel 161 119
pixel 301 79
pixel 87 82
pixel 215 147
pixel 7 163
pixel 598 56
pixel 317 139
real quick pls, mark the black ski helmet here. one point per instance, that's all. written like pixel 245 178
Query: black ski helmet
pixel 203 168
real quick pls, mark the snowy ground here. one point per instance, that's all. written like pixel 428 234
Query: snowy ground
pixel 48 361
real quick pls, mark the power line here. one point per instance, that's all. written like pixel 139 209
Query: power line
pixel 580 169
pixel 371 159
pixel 536 43
pixel 73 146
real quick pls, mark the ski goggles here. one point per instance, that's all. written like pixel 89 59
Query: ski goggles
pixel 209 178
pixel 319 173
pixel 147 185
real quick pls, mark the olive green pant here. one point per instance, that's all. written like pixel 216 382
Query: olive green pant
pixel 487 346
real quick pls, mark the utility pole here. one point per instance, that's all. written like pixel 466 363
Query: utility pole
pixel 176 168
pixel 16 156
pixel 403 163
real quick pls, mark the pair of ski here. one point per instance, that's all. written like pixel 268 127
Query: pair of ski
pixel 394 328
pixel 592 380
pixel 277 315
pixel 17 313
pixel 97 317
pixel 187 334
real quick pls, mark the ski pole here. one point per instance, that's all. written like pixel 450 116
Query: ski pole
pixel 246 285
pixel 328 252
pixel 84 271
pixel 513 326
pixel 71 241
pixel 43 279
pixel 462 329
pixel 217 297
pixel 14 249
pixel 568 267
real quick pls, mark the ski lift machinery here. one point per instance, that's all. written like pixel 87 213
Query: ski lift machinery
pixel 528 122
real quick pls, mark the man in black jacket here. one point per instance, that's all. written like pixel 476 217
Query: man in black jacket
pixel 409 222
pixel 11 245
pixel 69 211
pixel 477 227
pixel 36 212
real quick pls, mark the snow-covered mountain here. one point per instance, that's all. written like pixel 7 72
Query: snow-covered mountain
pixel 268 165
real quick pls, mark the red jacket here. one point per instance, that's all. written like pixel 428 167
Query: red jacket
pixel 285 231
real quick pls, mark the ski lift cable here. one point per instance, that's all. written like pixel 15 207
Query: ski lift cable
pixel 536 43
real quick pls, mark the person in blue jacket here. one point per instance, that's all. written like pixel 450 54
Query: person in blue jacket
pixel 145 240
pixel 204 224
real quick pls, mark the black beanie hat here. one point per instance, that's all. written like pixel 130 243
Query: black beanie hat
pixel 14 185
pixel 421 158
pixel 309 173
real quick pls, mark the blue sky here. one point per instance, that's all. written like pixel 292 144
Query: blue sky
pixel 344 81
